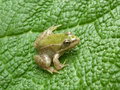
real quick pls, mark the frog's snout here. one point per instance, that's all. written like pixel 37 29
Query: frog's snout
pixel 76 39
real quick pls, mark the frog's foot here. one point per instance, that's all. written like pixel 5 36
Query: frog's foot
pixel 60 66
pixel 51 70
pixel 52 28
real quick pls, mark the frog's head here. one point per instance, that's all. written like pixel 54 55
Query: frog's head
pixel 71 41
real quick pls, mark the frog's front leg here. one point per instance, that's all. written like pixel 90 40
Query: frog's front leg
pixel 44 63
pixel 57 63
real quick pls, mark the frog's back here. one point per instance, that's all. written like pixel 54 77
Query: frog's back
pixel 52 39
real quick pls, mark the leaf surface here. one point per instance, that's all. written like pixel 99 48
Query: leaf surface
pixel 93 64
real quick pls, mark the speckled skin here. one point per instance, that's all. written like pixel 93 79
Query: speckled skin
pixel 51 46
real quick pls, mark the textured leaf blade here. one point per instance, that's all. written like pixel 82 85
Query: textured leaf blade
pixel 94 63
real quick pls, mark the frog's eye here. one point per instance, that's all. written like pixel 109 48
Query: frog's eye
pixel 67 42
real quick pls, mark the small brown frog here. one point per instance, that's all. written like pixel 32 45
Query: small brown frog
pixel 51 46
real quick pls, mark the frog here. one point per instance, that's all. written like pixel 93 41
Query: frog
pixel 51 46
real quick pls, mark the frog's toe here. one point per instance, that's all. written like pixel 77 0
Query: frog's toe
pixel 52 28
pixel 64 63
pixel 60 66
pixel 55 71
pixel 51 70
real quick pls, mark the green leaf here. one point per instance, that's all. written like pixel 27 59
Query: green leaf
pixel 93 64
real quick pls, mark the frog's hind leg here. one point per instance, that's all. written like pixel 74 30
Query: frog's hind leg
pixel 44 65
pixel 45 34
pixel 49 31
pixel 52 28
